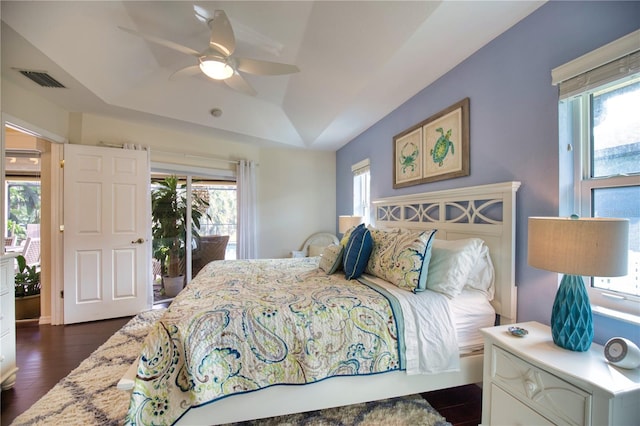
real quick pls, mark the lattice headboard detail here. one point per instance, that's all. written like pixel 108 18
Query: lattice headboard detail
pixel 485 211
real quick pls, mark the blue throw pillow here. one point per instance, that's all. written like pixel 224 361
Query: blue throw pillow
pixel 357 252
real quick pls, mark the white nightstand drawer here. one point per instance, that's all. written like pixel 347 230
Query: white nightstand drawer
pixel 563 387
pixel 506 410
pixel 7 360
pixel 556 399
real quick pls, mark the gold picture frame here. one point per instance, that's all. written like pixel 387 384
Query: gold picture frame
pixel 434 149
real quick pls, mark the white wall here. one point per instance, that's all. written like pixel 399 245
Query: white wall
pixel 296 188
pixel 297 197
pixel 33 109
pixel 167 145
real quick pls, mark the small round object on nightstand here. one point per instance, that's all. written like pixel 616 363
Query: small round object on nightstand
pixel 622 353
pixel 518 332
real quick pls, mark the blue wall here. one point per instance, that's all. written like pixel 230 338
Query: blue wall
pixel 514 128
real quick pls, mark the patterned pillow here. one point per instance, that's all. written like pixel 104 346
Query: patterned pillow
pixel 347 234
pixel 383 241
pixel 357 252
pixel 331 259
pixel 404 260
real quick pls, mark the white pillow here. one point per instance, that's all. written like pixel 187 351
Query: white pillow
pixel 482 275
pixel 452 263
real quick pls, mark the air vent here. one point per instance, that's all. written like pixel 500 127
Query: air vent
pixel 41 78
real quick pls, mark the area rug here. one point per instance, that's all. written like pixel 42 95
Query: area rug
pixel 88 395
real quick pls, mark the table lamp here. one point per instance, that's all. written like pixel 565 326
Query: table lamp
pixel 346 222
pixel 577 247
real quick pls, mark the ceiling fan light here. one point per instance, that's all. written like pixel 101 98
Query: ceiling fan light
pixel 216 69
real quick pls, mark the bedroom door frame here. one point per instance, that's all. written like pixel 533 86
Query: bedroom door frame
pixel 51 253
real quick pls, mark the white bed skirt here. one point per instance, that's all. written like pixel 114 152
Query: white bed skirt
pixel 333 392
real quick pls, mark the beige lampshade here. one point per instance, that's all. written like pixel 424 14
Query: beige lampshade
pixel 586 246
pixel 346 222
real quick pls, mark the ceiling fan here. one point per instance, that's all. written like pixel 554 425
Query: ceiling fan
pixel 217 60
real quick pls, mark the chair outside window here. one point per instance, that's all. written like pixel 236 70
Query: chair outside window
pixel 33 230
pixel 31 251
pixel 10 241
pixel 212 247
pixel 157 271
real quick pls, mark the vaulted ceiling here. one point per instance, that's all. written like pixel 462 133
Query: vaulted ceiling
pixel 358 60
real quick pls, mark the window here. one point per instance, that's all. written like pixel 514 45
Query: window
pixel 23 192
pixel 222 212
pixel 23 209
pixel 361 200
pixel 600 163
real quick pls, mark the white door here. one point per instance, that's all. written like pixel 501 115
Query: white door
pixel 107 226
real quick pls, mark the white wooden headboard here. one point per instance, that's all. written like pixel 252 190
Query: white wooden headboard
pixel 485 211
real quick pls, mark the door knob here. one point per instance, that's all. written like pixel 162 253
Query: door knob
pixel 138 241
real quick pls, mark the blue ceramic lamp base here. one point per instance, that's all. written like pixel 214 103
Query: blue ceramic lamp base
pixel 571 319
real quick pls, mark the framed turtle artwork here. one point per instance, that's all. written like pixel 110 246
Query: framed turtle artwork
pixel 443 148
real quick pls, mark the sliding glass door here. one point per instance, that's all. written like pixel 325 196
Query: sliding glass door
pixel 191 212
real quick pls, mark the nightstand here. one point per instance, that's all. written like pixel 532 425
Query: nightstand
pixel 531 381
pixel 8 366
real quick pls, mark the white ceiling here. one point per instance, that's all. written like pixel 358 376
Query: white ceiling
pixel 358 60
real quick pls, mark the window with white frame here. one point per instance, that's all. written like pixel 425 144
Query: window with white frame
pixel 361 180
pixel 599 113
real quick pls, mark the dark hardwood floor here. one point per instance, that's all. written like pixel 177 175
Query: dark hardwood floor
pixel 461 406
pixel 48 353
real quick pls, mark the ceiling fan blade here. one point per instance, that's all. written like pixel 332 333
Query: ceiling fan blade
pixel 222 38
pixel 237 82
pixel 163 42
pixel 189 71
pixel 243 33
pixel 201 13
pixel 258 67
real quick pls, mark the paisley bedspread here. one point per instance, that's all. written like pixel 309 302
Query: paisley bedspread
pixel 245 325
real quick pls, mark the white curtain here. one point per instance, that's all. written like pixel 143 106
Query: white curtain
pixel 246 189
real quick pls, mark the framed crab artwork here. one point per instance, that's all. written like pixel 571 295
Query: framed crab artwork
pixel 408 158
pixel 435 149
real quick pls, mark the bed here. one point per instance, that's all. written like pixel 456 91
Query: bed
pixel 382 361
